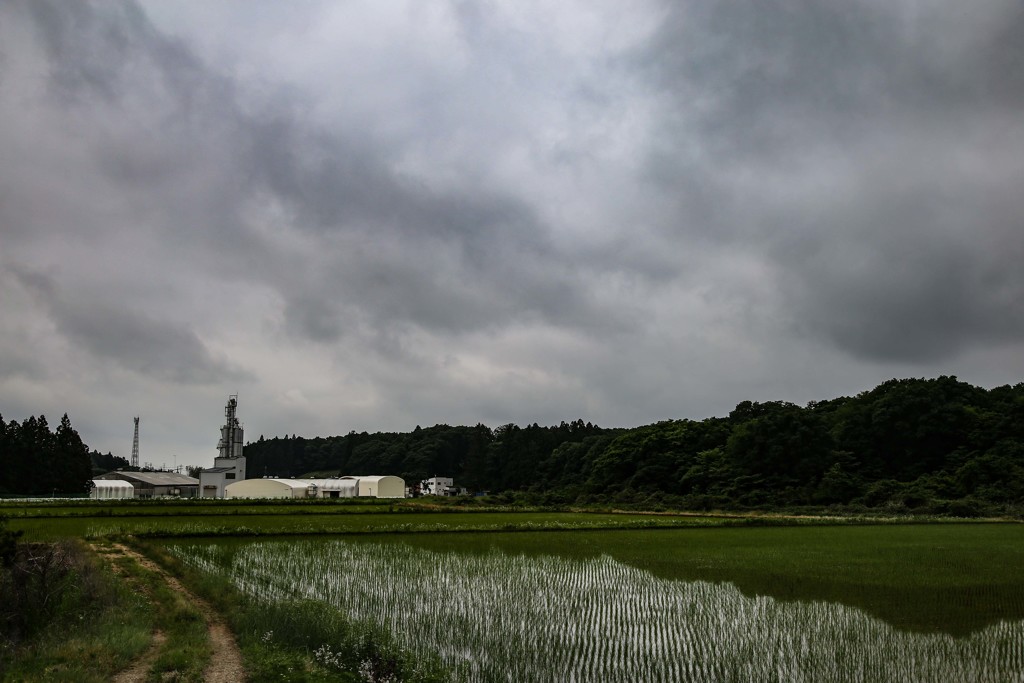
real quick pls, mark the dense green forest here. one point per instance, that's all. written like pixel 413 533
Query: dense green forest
pixel 929 445
pixel 934 445
pixel 37 461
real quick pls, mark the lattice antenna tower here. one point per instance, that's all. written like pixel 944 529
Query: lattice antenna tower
pixel 135 446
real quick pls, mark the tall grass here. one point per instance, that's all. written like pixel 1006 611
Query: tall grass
pixel 65 617
pixel 498 616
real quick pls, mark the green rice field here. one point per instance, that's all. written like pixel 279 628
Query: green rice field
pixel 311 522
pixel 883 603
pixel 542 595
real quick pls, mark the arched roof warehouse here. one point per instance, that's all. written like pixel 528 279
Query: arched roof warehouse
pixel 267 488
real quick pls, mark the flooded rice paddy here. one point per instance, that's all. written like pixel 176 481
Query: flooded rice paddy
pixel 495 614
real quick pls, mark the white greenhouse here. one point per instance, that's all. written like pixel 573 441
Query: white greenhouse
pixel 269 488
pixel 347 487
pixel 111 489
pixel 386 486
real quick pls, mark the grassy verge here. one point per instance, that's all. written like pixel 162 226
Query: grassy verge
pixel 301 640
pixel 66 617
pixel 309 520
pixel 215 525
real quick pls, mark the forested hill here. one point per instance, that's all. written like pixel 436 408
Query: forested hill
pixel 937 445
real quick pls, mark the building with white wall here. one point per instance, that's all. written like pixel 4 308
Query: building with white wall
pixel 440 486
pixel 342 487
pixel 229 465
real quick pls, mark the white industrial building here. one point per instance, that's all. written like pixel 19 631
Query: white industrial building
pixel 213 480
pixel 111 489
pixel 229 465
pixel 385 486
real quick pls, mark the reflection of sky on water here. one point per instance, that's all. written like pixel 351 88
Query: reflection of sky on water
pixel 546 618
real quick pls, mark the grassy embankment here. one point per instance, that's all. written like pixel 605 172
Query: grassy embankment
pixel 66 617
pixel 70 616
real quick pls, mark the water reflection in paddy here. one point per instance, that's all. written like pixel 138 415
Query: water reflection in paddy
pixel 496 615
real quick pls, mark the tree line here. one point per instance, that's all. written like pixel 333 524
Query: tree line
pixel 35 460
pixel 934 445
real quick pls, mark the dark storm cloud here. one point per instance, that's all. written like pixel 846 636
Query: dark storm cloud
pixel 136 340
pixel 867 150
pixel 96 47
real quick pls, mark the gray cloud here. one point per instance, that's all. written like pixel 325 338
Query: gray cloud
pixel 368 215
pixel 868 160
pixel 449 261
pixel 135 340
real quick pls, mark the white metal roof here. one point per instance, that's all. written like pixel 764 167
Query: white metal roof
pixel 333 484
pixel 151 478
pixel 294 483
pixel 111 484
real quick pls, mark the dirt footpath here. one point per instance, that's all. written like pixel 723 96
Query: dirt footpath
pixel 137 672
pixel 226 661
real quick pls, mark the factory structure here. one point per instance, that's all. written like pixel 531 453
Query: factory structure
pixel 226 479
pixel 229 465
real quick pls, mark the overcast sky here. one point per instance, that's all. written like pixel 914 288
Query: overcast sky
pixel 381 214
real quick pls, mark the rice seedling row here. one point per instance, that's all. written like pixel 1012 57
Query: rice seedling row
pixel 500 616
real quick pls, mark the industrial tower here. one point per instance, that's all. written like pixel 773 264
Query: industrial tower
pixel 230 445
pixel 135 446
pixel 229 465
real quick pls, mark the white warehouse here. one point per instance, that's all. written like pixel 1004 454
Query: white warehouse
pixel 268 488
pixel 385 486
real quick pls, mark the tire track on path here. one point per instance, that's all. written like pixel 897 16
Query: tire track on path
pixel 226 660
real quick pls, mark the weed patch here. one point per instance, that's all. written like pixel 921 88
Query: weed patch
pixel 64 617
